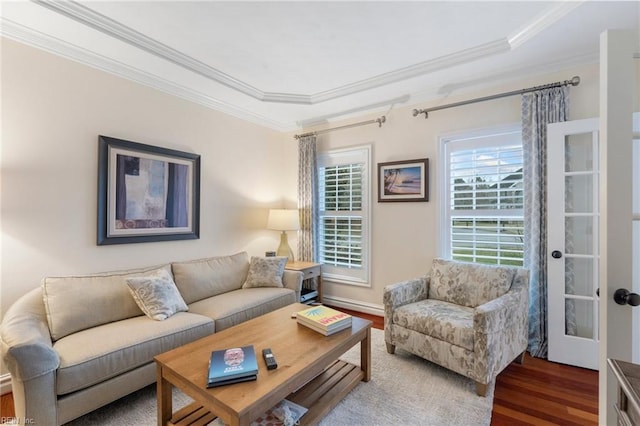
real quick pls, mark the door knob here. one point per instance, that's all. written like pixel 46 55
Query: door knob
pixel 556 254
pixel 622 296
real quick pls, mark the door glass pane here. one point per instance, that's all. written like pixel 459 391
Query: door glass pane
pixel 578 194
pixel 578 234
pixel 578 152
pixel 578 275
pixel 579 318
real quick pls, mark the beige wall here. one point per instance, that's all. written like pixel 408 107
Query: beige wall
pixel 54 109
pixel 405 235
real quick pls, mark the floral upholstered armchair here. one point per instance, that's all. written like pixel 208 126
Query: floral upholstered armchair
pixel 466 317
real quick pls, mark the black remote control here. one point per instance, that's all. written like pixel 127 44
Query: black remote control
pixel 269 359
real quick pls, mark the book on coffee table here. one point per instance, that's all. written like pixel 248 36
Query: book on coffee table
pixel 232 365
pixel 324 320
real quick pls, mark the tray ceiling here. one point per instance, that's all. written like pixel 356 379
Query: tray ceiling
pixel 289 64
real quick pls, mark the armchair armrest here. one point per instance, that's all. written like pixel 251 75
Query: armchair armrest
pixel 25 342
pixel 502 312
pixel 402 293
pixel 501 329
pixel 293 280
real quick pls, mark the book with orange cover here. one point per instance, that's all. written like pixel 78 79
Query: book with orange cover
pixel 324 319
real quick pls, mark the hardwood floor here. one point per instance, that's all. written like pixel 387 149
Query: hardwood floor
pixel 6 406
pixel 537 392
pixel 540 392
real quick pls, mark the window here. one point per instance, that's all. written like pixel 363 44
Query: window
pixel 343 243
pixel 482 196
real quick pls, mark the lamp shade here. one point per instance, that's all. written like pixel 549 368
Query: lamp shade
pixel 283 220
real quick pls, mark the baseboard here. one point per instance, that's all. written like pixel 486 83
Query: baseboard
pixel 354 305
pixel 5 384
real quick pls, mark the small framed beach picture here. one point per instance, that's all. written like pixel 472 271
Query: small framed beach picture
pixel 403 180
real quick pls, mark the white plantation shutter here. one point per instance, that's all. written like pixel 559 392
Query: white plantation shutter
pixel 343 177
pixel 483 197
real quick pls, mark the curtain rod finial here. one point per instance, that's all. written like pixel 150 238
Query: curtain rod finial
pixel 417 112
pixel 575 80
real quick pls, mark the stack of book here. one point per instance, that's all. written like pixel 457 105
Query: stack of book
pixel 324 320
pixel 232 365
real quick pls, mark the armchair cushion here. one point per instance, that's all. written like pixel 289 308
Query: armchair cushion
pixel 441 320
pixel 468 284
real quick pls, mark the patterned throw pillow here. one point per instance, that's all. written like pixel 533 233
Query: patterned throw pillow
pixel 157 295
pixel 265 272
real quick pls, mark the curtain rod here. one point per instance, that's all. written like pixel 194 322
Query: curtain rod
pixel 378 120
pixel 573 82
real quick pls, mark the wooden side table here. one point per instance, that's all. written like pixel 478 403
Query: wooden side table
pixel 310 270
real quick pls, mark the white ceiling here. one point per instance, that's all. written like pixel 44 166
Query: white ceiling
pixel 290 64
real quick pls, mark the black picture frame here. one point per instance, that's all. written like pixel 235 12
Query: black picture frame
pixel 406 180
pixel 146 193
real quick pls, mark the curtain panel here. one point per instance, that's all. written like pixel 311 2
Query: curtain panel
pixel 539 108
pixel 308 199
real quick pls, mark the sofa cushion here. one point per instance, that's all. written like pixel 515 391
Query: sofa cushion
pixel 445 321
pixel 468 284
pixel 203 278
pixel 157 295
pixel 97 354
pixel 77 303
pixel 265 272
pixel 234 307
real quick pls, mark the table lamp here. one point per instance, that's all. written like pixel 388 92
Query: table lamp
pixel 284 220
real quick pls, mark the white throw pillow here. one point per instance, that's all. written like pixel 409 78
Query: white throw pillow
pixel 157 295
pixel 265 272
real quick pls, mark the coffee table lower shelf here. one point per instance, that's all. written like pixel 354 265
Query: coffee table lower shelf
pixel 319 395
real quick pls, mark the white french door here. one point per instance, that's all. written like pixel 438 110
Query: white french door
pixel 573 206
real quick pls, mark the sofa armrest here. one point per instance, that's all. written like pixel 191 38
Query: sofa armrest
pixel 293 280
pixel 25 342
pixel 27 351
pixel 402 293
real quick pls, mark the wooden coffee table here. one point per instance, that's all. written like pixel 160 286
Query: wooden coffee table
pixel 309 372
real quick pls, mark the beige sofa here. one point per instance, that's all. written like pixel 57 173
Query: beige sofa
pixel 78 343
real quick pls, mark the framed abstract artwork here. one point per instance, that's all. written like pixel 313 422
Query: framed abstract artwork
pixel 403 180
pixel 146 193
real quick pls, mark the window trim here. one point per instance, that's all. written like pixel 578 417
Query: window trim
pixel 465 138
pixel 330 272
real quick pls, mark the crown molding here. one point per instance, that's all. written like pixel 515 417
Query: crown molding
pixel 547 18
pixel 437 64
pixel 110 27
pixel 22 34
pixel 488 80
pixel 385 105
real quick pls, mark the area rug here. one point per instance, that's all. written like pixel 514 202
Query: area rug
pixel 404 390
